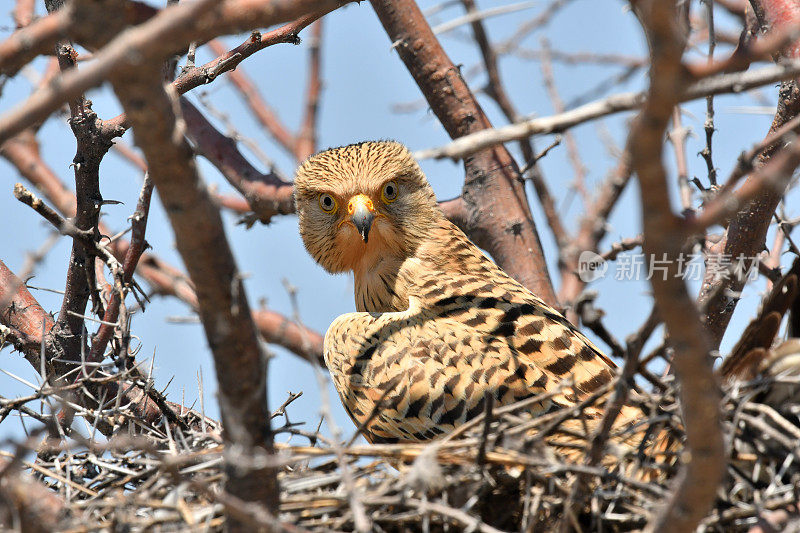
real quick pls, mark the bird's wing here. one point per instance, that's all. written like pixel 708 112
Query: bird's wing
pixel 528 330
pixel 458 280
pixel 561 351
pixel 410 377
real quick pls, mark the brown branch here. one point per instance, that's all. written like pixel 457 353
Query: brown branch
pixel 66 338
pixel 24 11
pixel 763 189
pixel 267 194
pixel 222 302
pixel 307 137
pixel 132 255
pixel 664 236
pixel 496 90
pixel 23 313
pixel 277 329
pixel 304 144
pixel 594 223
pixel 492 183
pixel 172 29
pixel 234 203
pixel 274 327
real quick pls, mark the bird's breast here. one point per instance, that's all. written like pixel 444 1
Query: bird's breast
pixel 380 289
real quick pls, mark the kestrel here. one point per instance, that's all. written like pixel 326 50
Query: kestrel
pixel 440 327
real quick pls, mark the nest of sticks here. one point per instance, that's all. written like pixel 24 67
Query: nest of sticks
pixel 496 474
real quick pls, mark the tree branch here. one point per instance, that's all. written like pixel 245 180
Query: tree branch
pixel 763 189
pixel 172 29
pixel 22 152
pixel 721 84
pixel 493 183
pixel 222 302
pixel 306 143
pixel 267 194
pixel 664 236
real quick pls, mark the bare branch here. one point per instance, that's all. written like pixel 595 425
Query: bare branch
pixel 307 137
pixel 173 28
pixel 267 194
pixel 720 84
pixel 492 182
pixel 222 302
pixel 664 236
pixel 753 204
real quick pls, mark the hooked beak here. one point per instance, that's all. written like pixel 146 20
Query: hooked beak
pixel 361 212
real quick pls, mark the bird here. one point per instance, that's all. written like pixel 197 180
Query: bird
pixel 439 328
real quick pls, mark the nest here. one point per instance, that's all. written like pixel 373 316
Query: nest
pixel 504 470
pixel 497 473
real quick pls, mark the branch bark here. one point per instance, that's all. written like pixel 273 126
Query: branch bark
pixel 664 237
pixel 166 33
pixel 66 338
pixel 746 233
pixel 240 364
pixel 493 184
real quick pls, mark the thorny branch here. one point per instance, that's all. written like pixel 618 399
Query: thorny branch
pixel 751 207
pixel 164 279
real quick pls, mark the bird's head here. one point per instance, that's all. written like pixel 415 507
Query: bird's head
pixel 362 203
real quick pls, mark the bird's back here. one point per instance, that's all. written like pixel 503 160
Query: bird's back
pixel 470 332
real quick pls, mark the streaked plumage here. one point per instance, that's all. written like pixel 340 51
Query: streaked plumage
pixel 439 326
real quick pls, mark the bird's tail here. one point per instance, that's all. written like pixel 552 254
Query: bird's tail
pixel 637 445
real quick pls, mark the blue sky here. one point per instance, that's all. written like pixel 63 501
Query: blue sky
pixel 363 81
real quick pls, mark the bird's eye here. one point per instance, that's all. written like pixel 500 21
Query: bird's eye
pixel 327 202
pixel 389 193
